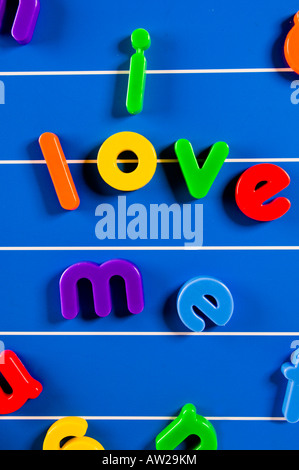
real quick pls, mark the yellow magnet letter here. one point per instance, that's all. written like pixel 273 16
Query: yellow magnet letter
pixel 110 151
pixel 70 427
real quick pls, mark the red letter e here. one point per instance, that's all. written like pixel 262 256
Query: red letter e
pixel 251 196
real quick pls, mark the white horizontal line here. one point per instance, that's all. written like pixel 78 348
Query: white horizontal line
pixel 215 71
pixel 139 418
pixel 149 72
pixel 262 160
pixel 159 160
pixel 149 248
pixel 59 73
pixel 147 333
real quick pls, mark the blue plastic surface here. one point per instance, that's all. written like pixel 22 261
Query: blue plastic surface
pixel 113 369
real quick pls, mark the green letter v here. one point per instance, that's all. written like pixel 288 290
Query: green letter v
pixel 200 180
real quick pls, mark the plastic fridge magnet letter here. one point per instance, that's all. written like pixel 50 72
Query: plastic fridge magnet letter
pixel 20 381
pixel 291 46
pixel 290 407
pixel 141 41
pixel 186 424
pixel 70 427
pixel 59 171
pixel 109 153
pixel 295 357
pixel 256 186
pixel 25 19
pixel 99 276
pixel 198 292
pixel 200 180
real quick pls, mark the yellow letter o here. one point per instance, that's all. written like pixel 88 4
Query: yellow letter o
pixel 113 147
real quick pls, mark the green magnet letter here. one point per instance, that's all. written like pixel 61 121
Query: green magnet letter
pixel 140 41
pixel 200 180
pixel 186 424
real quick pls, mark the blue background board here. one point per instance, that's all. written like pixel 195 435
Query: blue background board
pixel 129 374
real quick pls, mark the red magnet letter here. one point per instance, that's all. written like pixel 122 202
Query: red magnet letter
pixel 22 384
pixel 251 194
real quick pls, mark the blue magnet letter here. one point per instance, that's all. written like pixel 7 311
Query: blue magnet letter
pixel 196 293
pixel 290 407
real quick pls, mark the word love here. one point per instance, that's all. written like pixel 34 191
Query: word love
pixel 256 186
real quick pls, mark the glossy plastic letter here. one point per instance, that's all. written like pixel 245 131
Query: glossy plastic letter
pixel 99 276
pixel 22 384
pixel 25 19
pixel 70 427
pixel 200 180
pixel 252 200
pixel 141 41
pixel 291 46
pixel 290 407
pixel 186 424
pixel 59 171
pixel 109 153
pixel 196 293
